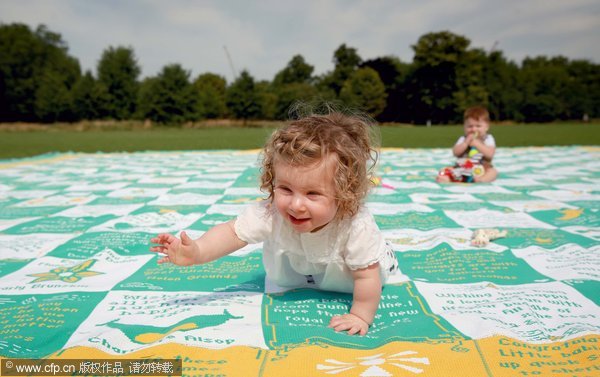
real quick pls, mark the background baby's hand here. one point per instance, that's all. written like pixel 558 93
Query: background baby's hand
pixel 349 322
pixel 469 138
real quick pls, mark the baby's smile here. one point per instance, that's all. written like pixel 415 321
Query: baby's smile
pixel 298 221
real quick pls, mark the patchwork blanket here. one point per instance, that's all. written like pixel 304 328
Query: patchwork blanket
pixel 77 280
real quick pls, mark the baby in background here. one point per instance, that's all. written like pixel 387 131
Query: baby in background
pixel 474 150
pixel 315 227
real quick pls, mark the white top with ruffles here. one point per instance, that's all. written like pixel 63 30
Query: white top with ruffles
pixel 327 257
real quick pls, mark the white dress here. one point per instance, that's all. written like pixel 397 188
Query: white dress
pixel 323 259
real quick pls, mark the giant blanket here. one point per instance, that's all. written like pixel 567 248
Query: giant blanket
pixel 77 280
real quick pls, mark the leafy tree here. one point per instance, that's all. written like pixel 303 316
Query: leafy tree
pixel 118 71
pixel 556 88
pixel 470 83
pixel 53 99
pixel 346 60
pixel 543 82
pixel 292 84
pixel 296 71
pixel 266 98
pixel 89 98
pixel 501 83
pixel 242 98
pixel 210 89
pixel 324 88
pixel 582 94
pixel 433 82
pixel 35 64
pixel 540 108
pixel 365 90
pixel 169 97
pixel 19 52
pixel 288 94
pixel 392 73
pixel 148 97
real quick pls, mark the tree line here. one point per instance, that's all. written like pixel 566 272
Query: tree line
pixel 41 82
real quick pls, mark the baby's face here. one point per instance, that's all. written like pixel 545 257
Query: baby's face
pixel 476 125
pixel 305 196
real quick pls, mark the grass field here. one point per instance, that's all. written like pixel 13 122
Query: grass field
pixel 15 143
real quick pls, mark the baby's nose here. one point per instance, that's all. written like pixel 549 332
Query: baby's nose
pixel 297 203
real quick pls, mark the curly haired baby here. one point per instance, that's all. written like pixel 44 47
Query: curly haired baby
pixel 315 228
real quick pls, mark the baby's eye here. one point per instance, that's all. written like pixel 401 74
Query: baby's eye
pixel 313 193
pixel 284 189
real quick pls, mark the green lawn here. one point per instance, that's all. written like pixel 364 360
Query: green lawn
pixel 505 135
pixel 15 144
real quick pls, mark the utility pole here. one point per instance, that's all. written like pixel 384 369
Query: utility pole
pixel 494 46
pixel 233 71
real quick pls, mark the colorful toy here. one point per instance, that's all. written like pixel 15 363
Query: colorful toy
pixel 378 182
pixel 465 169
pixel 482 237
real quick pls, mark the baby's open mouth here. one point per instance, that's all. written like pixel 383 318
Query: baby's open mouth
pixel 297 221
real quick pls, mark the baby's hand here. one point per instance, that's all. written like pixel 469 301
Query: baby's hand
pixel 180 252
pixel 350 322
pixel 469 138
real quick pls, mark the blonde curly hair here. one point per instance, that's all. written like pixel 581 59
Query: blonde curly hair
pixel 351 139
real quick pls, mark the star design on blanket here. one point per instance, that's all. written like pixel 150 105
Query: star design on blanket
pixel 68 274
pixel 374 365
pixel 570 214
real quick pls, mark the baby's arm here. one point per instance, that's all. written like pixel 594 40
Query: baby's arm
pixel 367 293
pixel 460 148
pixel 486 150
pixel 214 244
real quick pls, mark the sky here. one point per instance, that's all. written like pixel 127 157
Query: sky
pixel 262 36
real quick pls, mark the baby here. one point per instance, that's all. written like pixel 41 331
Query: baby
pixel 475 150
pixel 315 227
